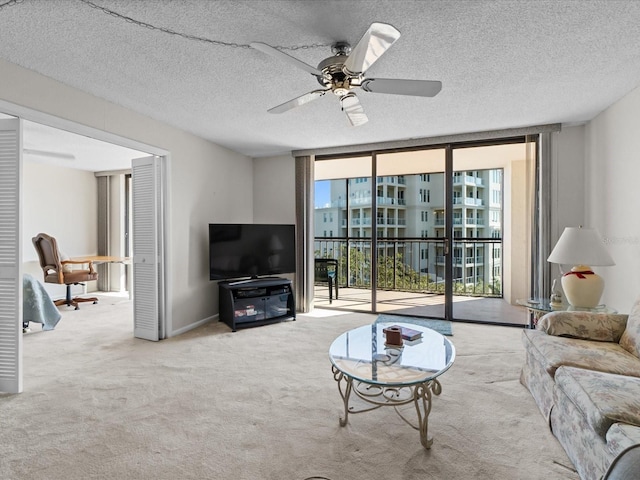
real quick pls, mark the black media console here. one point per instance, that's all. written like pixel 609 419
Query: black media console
pixel 249 303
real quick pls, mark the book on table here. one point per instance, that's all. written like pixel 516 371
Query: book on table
pixel 407 333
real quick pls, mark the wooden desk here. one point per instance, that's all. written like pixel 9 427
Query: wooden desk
pixel 100 259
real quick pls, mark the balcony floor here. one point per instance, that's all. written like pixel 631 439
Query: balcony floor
pixel 476 309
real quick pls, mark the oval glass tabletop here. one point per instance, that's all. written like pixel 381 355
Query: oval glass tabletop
pixel 362 353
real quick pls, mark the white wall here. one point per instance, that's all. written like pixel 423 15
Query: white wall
pixel 567 187
pixel 61 202
pixel 207 182
pixel 568 181
pixel 274 190
pixel 595 170
pixel 611 196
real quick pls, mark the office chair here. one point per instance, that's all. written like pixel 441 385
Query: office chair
pixel 60 271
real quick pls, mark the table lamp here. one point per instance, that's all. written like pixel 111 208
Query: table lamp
pixel 581 247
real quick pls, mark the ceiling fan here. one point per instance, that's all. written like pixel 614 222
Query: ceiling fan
pixel 345 70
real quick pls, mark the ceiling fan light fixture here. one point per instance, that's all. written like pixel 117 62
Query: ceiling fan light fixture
pixel 353 109
pixel 345 71
pixel 341 48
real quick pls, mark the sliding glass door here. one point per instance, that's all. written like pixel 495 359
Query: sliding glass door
pixel 411 238
pixel 490 231
pixel 343 230
pixel 440 232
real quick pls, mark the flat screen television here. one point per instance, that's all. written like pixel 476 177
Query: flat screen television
pixel 239 250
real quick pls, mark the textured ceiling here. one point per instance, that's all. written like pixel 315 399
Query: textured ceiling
pixel 504 63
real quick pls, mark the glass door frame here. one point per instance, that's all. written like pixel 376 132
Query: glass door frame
pixel 449 149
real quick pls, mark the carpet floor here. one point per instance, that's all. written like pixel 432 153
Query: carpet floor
pixel 443 327
pixel 260 403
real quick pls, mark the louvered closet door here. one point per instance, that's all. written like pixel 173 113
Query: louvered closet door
pixel 148 295
pixel 10 258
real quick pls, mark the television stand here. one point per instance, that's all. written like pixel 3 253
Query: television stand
pixel 254 302
pixel 235 283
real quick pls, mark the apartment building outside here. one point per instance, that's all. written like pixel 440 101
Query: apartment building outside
pixel 409 223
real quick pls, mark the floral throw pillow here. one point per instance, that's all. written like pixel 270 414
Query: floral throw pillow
pixel 630 339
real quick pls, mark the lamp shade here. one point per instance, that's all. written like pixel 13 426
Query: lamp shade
pixel 580 246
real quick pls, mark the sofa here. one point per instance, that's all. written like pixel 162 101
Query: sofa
pixel 583 371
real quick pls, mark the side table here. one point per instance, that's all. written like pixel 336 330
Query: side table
pixel 537 307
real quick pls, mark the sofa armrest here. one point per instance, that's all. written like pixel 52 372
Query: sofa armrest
pixel 603 327
pixel 626 465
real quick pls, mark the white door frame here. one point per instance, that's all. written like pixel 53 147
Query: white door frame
pixel 74 127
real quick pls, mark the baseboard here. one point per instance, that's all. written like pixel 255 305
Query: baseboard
pixel 182 330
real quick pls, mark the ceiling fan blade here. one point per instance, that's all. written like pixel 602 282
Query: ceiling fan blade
pixel 352 107
pixel 274 52
pixel 418 88
pixel 371 46
pixel 296 102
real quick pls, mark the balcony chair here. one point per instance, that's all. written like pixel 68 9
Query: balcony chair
pixel 326 272
pixel 61 271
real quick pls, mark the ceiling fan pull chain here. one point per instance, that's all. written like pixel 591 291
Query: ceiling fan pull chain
pixel 187 36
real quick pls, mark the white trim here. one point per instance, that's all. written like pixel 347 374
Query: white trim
pixel 27 113
pixel 197 324
pixel 168 284
pixel 109 173
pixel 30 114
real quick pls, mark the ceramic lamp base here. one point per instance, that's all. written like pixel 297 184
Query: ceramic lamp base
pixel 582 287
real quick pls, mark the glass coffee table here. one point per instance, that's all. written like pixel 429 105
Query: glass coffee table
pixel 385 375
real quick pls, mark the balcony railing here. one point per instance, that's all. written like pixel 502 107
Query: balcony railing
pixel 471 202
pixel 416 264
pixel 468 180
pixel 478 222
pixel 385 201
pixel 391 221
pixel 458 261
pixel 392 180
pixel 361 221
